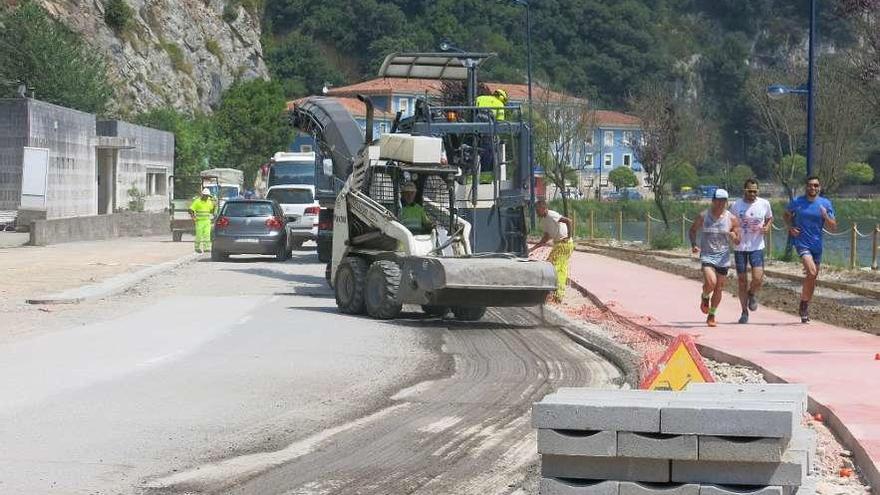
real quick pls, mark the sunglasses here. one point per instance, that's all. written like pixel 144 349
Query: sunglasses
pixel 752 191
pixel 813 184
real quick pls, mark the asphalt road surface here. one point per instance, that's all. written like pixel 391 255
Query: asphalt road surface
pixel 242 378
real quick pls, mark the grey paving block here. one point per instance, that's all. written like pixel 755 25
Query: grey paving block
pixel 774 391
pixel 604 393
pixel 743 449
pixel 565 486
pixel 791 471
pixel 595 414
pixel 743 490
pixel 771 392
pixel 656 445
pixel 635 488
pixel 804 439
pixel 605 468
pixel 729 417
pixel 577 442
pixel 808 487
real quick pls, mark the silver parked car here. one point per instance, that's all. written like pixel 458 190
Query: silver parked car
pixel 250 226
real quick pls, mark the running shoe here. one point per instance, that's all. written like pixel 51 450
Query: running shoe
pixel 711 321
pixel 804 312
pixel 704 305
pixel 743 319
pixel 753 302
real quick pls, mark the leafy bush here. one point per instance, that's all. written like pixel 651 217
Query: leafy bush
pixel 858 173
pixel 622 177
pixel 214 49
pixel 117 15
pixel 176 56
pixel 665 240
pixel 135 199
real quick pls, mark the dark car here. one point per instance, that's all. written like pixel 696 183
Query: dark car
pixel 249 226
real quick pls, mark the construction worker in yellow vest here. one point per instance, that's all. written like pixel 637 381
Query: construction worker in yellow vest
pixel 202 212
pixel 494 101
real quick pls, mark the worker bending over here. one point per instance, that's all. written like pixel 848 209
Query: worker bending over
pixel 558 229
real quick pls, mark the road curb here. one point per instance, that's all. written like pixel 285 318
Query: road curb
pixel 869 469
pixel 111 286
pixel 620 356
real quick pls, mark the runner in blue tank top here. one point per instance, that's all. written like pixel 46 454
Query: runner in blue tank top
pixel 806 216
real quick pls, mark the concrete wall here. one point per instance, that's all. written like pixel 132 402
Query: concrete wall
pixel 153 154
pixel 123 224
pixel 72 189
pixel 13 137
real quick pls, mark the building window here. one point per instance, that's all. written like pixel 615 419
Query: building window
pixel 589 140
pixel 403 106
pixel 609 138
pixel 627 160
pixel 627 138
pixel 588 160
pixel 157 182
pixel 383 128
pixel 305 148
pixel 608 159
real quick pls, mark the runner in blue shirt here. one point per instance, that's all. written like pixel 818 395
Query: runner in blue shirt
pixel 806 216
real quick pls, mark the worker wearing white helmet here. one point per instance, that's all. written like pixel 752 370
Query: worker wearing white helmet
pixel 412 214
pixel 202 212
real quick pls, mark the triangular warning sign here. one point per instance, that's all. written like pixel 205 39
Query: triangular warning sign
pixel 681 364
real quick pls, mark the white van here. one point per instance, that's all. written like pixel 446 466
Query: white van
pixel 300 209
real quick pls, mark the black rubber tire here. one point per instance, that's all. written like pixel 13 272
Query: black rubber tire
pixel 351 277
pixel 325 251
pixel 383 284
pixel 468 313
pixel 438 311
pixel 177 236
pixel 282 253
pixel 218 255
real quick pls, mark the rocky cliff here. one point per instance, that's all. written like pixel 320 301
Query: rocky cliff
pixel 179 53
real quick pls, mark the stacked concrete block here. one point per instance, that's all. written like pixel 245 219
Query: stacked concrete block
pixel 712 439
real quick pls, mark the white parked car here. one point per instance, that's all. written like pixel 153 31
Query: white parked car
pixel 301 210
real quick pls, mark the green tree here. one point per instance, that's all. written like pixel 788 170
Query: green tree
pixel 622 177
pixel 198 145
pixel 682 175
pixel 792 170
pixel 858 173
pixel 50 60
pixel 298 63
pixel 738 176
pixel 251 118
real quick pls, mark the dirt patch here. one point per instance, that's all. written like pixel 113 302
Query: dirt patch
pixel 821 308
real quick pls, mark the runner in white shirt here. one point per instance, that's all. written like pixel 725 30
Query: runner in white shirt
pixel 755 217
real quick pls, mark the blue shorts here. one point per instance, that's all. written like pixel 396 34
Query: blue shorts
pixel 805 251
pixel 744 259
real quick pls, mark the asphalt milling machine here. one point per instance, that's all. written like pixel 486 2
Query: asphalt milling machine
pixel 475 193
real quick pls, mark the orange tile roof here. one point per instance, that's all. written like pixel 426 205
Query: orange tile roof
pixel 612 118
pixel 354 106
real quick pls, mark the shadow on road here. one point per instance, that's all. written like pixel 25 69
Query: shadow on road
pixel 310 280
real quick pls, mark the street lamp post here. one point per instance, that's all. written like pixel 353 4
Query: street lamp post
pixel 526 4
pixel 808 89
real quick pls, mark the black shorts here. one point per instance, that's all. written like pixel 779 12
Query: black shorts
pixel 720 270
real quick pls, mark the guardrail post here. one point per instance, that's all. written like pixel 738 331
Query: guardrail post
pixel 648 229
pixel 684 229
pixel 874 247
pixel 592 224
pixel 853 245
pixel 620 226
pixel 770 242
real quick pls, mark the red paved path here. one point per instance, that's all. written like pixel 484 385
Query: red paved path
pixel 837 364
